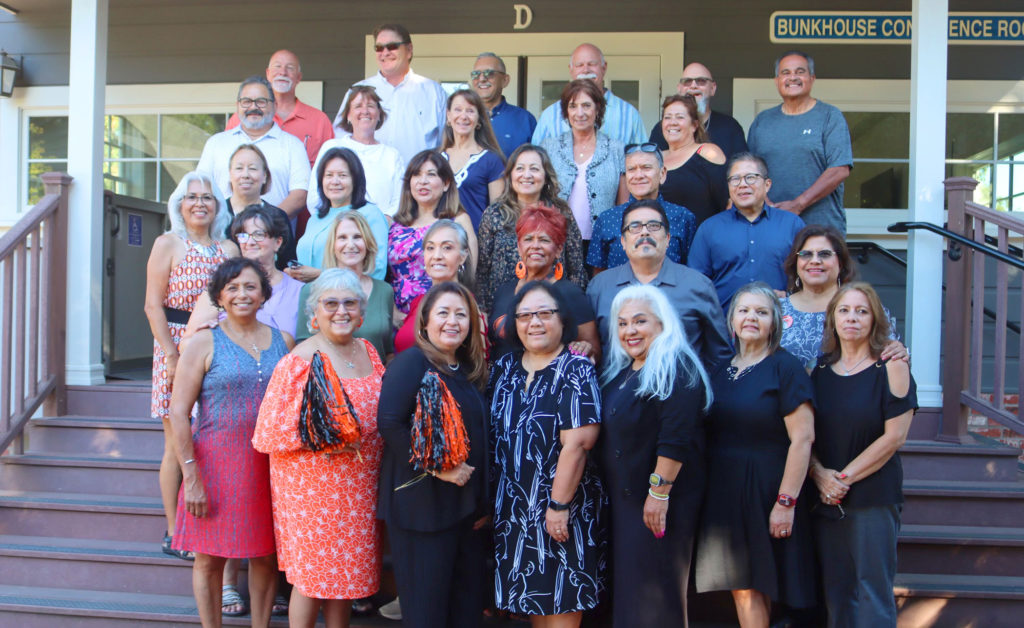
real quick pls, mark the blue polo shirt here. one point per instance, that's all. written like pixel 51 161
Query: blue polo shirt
pixel 606 246
pixel 512 125
pixel 732 251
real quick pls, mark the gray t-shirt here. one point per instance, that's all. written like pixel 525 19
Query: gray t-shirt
pixel 798 149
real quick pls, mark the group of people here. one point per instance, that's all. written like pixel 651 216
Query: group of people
pixel 580 358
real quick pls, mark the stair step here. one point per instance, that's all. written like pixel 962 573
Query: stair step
pixel 137 438
pixel 967 550
pixel 85 515
pixel 927 600
pixel 963 503
pixel 123 399
pixel 75 474
pixel 931 459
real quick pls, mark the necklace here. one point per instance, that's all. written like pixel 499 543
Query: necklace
pixel 628 377
pixel 735 372
pixel 848 371
pixel 255 349
pixel 344 358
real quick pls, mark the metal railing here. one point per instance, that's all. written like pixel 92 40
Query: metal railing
pixel 33 305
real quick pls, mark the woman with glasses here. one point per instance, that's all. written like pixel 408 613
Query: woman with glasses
pixel 549 524
pixel 696 168
pixel 472 150
pixel 855 465
pixel 249 177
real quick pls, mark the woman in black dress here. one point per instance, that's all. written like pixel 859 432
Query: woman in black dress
pixel 655 391
pixel 755 538
pixel 434 519
pixel 855 465
pixel 549 536
pixel 696 167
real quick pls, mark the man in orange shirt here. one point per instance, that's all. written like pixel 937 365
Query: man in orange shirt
pixel 310 125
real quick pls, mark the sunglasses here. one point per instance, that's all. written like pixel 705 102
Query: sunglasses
pixel 391 46
pixel 823 254
pixel 646 147
pixel 476 74
pixel 331 305
pixel 701 81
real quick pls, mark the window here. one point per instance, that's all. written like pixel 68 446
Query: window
pixel 881 160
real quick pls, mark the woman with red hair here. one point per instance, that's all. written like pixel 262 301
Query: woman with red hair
pixel 541 234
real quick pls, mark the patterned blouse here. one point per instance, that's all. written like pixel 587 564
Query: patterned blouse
pixel 405 258
pixel 802 332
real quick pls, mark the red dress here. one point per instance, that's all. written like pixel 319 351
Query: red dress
pixel 325 506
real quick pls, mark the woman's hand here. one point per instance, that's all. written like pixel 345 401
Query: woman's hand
pixel 656 515
pixel 210 324
pixel 557 524
pixel 780 522
pixel 457 476
pixel 482 522
pixel 195 494
pixel 895 350
pixel 831 486
pixel 303 273
pixel 171 360
pixel 398 318
pixel 584 348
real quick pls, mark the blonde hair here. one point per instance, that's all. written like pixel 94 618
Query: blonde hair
pixel 370 260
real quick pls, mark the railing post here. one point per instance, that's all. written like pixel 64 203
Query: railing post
pixel 57 297
pixel 957 333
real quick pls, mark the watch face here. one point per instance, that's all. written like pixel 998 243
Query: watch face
pixel 654 480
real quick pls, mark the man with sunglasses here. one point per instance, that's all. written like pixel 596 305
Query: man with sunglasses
pixel 645 234
pixel 750 240
pixel 723 130
pixel 415 105
pixel 645 172
pixel 285 155
pixel 513 126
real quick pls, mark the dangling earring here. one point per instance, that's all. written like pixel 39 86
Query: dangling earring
pixel 559 271
pixel 479 126
pixel 315 325
pixel 521 270
pixel 798 285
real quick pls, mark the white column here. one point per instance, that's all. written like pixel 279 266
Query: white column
pixel 86 99
pixel 927 171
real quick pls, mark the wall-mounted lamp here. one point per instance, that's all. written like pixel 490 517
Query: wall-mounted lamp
pixel 9 69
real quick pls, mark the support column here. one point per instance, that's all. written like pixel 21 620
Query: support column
pixel 86 101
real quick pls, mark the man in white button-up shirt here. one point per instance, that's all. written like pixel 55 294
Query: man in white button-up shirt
pixel 286 157
pixel 415 104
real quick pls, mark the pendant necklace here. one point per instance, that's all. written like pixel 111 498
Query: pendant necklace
pixel 847 371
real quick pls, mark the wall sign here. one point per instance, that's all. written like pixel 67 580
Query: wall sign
pixel 134 229
pixel 524 16
pixel 879 27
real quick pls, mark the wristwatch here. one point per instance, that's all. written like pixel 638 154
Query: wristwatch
pixel 786 501
pixel 557 506
pixel 656 480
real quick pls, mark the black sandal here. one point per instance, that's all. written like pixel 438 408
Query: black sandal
pixel 170 551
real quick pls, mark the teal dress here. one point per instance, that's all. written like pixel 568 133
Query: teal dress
pixel 309 251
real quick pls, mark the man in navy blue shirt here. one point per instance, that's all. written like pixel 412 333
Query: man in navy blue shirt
pixel 723 130
pixel 645 172
pixel 749 241
pixel 512 125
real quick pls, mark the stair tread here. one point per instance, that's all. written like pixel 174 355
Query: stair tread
pixel 72 460
pixel 989 488
pixel 97 501
pixel 88 420
pixel 951 585
pixel 965 535
pixel 90 547
pixel 931 446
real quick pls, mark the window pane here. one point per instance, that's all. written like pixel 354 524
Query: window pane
pixel 184 135
pixel 969 135
pixel 982 173
pixel 126 137
pixel 550 92
pixel 882 135
pixel 1010 187
pixel 1011 136
pixel 35 184
pixel 450 87
pixel 628 91
pixel 877 186
pixel 131 178
pixel 171 172
pixel 48 137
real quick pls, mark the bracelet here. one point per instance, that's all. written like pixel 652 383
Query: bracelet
pixel 657 496
pixel 189 461
pixel 557 506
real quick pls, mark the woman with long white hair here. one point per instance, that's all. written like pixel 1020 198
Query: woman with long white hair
pixel 654 394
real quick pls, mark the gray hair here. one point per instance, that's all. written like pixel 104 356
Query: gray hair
pixel 257 79
pixel 491 55
pixel 333 279
pixel 797 53
pixel 668 352
pixel 762 165
pixel 760 289
pixel 221 220
pixel 466 271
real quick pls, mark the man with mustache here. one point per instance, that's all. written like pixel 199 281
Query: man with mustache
pixel 513 126
pixel 309 124
pixel 621 119
pixel 723 130
pixel 645 236
pixel 806 145
pixel 286 157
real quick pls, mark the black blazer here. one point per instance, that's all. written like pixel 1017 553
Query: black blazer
pixel 430 504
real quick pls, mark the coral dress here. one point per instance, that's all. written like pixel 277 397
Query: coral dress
pixel 325 506
pixel 239 523
pixel 186 282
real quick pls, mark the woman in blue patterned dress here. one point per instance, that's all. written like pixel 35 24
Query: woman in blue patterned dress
pixel 549 528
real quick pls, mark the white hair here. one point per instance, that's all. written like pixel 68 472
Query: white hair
pixel 333 279
pixel 221 220
pixel 669 351
pixel 491 55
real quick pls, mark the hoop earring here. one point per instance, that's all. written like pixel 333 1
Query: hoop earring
pixel 521 270
pixel 315 325
pixel 559 271
pixel 799 286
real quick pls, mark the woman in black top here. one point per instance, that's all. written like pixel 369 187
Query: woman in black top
pixel 855 465
pixel 434 519
pixel 655 392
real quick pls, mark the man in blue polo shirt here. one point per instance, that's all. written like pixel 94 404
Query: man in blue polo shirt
pixel 512 125
pixel 749 241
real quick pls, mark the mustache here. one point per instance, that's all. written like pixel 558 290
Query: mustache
pixel 588 75
pixel 254 112
pixel 645 240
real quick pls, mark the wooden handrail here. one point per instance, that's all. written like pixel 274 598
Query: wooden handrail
pixel 32 330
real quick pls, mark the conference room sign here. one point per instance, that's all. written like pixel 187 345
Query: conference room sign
pixel 891 27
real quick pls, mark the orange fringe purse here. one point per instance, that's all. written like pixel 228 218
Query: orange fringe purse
pixel 327 419
pixel 439 439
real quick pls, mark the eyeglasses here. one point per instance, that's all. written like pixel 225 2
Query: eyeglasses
pixel 249 102
pixel 750 179
pixel 205 199
pixel 701 81
pixel 331 305
pixel 476 74
pixel 646 147
pixel 823 255
pixel 255 236
pixel 391 46
pixel 543 315
pixel 652 226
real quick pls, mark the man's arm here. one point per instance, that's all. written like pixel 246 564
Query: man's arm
pixel 822 187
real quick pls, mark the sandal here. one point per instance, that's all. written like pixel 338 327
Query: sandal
pixel 230 598
pixel 280 608
pixel 170 551
pixel 363 607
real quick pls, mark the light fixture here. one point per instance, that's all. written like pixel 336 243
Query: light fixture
pixel 9 69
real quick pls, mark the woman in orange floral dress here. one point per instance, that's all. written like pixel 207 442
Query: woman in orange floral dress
pixel 325 502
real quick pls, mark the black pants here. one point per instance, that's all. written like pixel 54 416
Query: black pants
pixel 440 575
